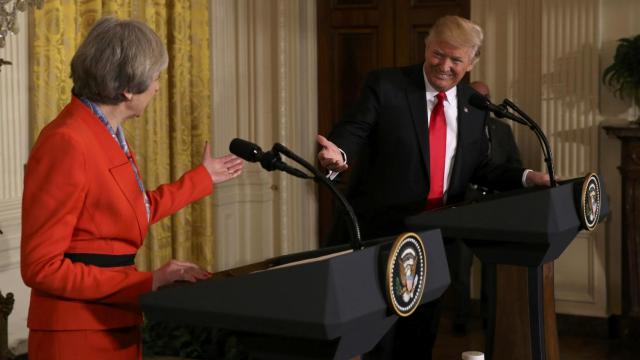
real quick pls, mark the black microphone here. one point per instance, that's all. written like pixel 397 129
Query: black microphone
pixel 502 111
pixel 269 160
pixel 480 102
pixel 246 150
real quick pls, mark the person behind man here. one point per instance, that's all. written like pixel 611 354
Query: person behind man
pixel 423 144
pixel 502 145
pixel 502 150
pixel 85 210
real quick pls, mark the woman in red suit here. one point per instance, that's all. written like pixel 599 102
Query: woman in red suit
pixel 85 210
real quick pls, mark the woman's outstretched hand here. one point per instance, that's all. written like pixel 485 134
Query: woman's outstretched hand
pixel 221 168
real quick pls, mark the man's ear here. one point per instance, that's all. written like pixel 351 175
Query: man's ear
pixel 472 64
pixel 128 95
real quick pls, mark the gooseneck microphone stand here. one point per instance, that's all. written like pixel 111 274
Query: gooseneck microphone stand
pixel 544 143
pixel 354 229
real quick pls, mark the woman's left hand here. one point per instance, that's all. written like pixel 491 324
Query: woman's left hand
pixel 175 270
pixel 221 168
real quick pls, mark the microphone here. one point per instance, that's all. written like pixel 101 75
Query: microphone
pixel 480 102
pixel 269 160
pixel 502 111
pixel 246 150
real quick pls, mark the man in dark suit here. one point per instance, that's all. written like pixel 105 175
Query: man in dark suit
pixel 502 150
pixel 419 144
pixel 502 145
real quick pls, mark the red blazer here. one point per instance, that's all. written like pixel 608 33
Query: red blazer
pixel 81 196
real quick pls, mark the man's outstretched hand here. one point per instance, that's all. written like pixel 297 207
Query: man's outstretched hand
pixel 330 156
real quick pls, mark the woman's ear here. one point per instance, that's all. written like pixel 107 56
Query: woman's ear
pixel 128 95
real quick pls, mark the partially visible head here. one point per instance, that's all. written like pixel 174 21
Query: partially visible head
pixel 459 32
pixel 481 88
pixel 451 50
pixel 117 56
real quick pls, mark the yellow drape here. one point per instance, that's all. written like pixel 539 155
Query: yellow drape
pixel 169 139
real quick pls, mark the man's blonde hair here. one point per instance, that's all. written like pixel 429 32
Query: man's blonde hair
pixel 459 32
pixel 117 56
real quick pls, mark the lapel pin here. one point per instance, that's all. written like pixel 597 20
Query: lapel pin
pixel 465 109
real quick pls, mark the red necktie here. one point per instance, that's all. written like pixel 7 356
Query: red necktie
pixel 437 152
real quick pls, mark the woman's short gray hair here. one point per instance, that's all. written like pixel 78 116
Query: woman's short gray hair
pixel 117 56
pixel 459 32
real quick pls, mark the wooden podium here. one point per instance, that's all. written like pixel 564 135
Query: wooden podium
pixel 520 233
pixel 314 305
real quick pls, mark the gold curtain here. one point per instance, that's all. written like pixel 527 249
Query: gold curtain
pixel 170 137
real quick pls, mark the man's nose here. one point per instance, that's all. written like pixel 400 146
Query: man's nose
pixel 445 65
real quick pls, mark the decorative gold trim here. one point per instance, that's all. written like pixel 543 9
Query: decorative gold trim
pixel 389 273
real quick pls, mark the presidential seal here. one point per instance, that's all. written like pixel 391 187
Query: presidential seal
pixel 406 273
pixel 590 202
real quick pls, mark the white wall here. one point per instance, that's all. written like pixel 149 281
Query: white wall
pixel 13 154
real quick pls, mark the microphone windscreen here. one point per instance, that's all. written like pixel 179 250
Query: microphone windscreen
pixel 245 150
pixel 479 102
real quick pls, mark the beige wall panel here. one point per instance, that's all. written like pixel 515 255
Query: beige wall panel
pixel 578 279
pixel 264 89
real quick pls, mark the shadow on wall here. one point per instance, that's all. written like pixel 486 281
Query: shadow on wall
pixel 575 94
pixel 565 86
pixel 580 136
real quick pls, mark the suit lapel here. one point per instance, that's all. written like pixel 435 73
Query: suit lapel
pixel 125 178
pixel 117 162
pixel 416 96
pixel 463 118
pixel 140 207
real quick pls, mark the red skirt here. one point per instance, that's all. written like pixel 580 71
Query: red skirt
pixel 108 344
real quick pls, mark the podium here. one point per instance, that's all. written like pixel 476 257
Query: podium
pixel 314 305
pixel 520 233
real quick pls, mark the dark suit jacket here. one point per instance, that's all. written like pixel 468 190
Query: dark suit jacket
pixel 503 148
pixel 386 134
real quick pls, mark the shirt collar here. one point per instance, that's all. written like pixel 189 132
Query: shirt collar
pixel 117 134
pixel 432 92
